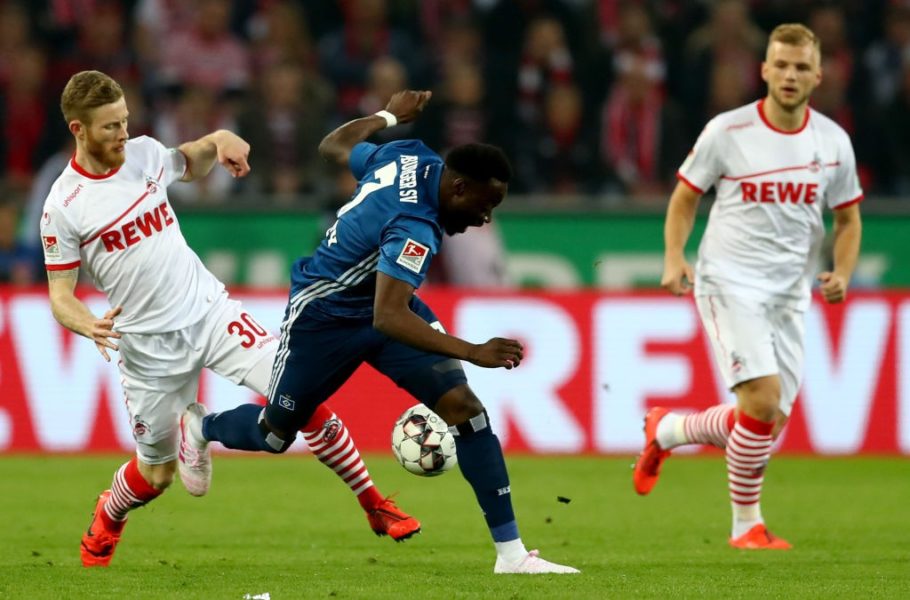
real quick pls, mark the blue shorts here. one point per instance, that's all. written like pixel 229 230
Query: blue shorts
pixel 316 356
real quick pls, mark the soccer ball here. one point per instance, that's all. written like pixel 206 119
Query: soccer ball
pixel 422 443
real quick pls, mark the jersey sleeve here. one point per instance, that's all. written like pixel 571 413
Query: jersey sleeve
pixel 844 188
pixel 406 247
pixel 59 240
pixel 703 167
pixel 360 158
pixel 173 162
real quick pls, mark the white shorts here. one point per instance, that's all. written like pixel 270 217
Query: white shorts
pixel 160 371
pixel 752 339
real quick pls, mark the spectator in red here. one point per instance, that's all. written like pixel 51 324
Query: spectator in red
pixel 207 54
pixel 23 117
pixel 640 133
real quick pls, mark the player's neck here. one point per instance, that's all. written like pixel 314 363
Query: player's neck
pixel 781 118
pixel 89 163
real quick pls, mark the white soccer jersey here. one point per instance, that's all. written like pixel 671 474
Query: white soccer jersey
pixel 121 229
pixel 765 229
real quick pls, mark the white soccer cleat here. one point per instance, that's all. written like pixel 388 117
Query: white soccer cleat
pixel 194 459
pixel 531 564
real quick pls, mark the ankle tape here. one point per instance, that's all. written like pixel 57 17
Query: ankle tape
pixel 472 425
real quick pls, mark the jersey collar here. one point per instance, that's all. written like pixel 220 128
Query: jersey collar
pixel 761 113
pixel 78 168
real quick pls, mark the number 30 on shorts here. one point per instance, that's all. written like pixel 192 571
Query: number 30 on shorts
pixel 247 328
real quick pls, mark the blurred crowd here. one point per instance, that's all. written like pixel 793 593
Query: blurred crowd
pixel 589 97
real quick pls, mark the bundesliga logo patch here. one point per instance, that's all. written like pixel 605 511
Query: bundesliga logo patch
pixel 413 255
pixel 51 249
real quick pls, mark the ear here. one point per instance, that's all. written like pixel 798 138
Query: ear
pixel 459 186
pixel 764 71
pixel 77 128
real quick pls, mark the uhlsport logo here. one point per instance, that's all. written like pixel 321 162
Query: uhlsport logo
pixel 413 255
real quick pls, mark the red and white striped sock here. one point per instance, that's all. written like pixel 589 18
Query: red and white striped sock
pixel 129 490
pixel 748 452
pixel 711 426
pixel 330 441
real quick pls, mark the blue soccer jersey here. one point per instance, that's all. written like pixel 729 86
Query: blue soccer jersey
pixel 390 225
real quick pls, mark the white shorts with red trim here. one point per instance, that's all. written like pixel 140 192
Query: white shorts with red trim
pixel 160 372
pixel 753 339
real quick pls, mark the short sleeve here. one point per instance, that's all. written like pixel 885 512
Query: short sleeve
pixel 844 188
pixel 360 158
pixel 173 161
pixel 406 247
pixel 59 241
pixel 703 167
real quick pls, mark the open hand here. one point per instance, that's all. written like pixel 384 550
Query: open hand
pixel 497 352
pixel 102 329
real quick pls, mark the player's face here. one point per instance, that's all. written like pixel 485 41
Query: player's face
pixel 106 135
pixel 472 204
pixel 791 72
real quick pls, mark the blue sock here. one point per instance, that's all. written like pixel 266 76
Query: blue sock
pixel 237 428
pixel 482 464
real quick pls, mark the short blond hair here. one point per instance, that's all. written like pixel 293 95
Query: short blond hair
pixel 86 91
pixel 795 34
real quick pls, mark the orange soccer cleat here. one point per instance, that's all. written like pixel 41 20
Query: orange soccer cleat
pixel 388 519
pixel 759 538
pixel 647 466
pixel 99 542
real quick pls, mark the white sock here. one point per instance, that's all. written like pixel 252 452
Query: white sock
pixel 671 431
pixel 511 551
pixel 745 517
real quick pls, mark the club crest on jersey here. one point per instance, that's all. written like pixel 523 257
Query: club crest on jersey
pixel 151 186
pixel 816 165
pixel 413 255
pixel 51 248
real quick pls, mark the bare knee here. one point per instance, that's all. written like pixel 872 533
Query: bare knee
pixel 160 476
pixel 458 405
pixel 760 398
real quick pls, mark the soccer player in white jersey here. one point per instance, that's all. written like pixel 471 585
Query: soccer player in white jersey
pixel 108 213
pixel 775 164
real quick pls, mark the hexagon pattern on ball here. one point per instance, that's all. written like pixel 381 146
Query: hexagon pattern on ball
pixel 422 443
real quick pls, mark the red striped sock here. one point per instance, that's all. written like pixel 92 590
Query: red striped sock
pixel 330 441
pixel 711 426
pixel 748 452
pixel 129 490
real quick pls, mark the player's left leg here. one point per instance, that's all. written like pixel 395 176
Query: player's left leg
pixel 152 404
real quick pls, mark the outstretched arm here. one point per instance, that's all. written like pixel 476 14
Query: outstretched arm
pixel 222 146
pixel 393 316
pixel 403 107
pixel 75 316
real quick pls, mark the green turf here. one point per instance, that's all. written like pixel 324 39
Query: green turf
pixel 286 526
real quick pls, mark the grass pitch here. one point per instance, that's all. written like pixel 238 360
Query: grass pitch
pixel 286 526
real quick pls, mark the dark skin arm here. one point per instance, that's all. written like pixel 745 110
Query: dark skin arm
pixel 393 316
pixel 336 146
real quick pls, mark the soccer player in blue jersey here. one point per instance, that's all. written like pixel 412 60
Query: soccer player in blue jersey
pixel 353 302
